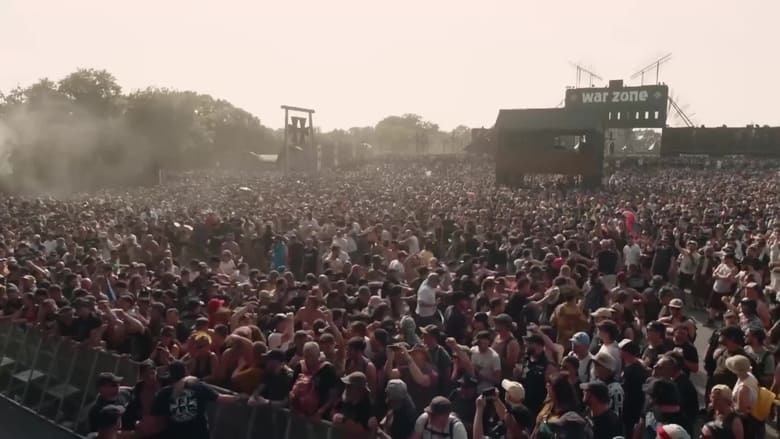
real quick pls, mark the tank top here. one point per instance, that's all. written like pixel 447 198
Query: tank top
pixel 502 348
pixel 751 383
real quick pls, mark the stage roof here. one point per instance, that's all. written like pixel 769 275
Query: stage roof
pixel 543 119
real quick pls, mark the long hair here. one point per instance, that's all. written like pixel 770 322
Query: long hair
pixel 563 394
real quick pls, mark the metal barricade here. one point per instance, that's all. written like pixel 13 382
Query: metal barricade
pixel 57 378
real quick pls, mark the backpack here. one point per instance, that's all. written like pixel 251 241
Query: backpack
pixel 303 396
pixel 437 434
pixel 762 409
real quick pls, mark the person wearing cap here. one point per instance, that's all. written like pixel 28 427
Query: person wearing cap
pixel 732 342
pixel 438 421
pixel 486 362
pixel 179 409
pixel 677 318
pixel 580 344
pixel 657 344
pixel 514 398
pixel 354 411
pixel 277 382
pixel 463 399
pixel 672 431
pixel 431 335
pixel 537 361
pixel 664 409
pixel 634 376
pixel 605 422
pixel 109 393
pixel 107 422
pixel 745 391
pixel 670 366
pixel 603 370
pixel 401 415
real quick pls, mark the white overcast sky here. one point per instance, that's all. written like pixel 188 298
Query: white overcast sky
pixel 356 61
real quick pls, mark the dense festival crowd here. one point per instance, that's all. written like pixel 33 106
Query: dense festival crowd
pixel 413 298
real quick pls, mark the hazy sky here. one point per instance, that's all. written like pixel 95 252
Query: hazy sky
pixel 356 61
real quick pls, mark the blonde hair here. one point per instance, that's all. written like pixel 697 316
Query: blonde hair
pixel 721 391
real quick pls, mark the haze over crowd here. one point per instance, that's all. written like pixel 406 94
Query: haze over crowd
pixel 356 62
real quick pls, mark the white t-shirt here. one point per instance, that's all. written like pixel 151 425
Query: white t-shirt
pixel 228 267
pixel 631 254
pixel 486 361
pixel 396 265
pixel 414 245
pixel 722 286
pixel 428 295
pixel 428 431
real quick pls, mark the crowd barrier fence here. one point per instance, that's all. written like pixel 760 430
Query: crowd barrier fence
pixel 55 378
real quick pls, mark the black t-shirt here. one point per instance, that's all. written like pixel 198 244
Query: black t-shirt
pixel 634 377
pixel 607 262
pixel 523 417
pixel 310 256
pixel 123 398
pixel 83 326
pixel 404 419
pixel 516 308
pixel 689 397
pixel 277 387
pixel 325 380
pixel 653 353
pixel 689 353
pixel 359 413
pixel 607 425
pixel 463 407
pixel 455 324
pixel 185 413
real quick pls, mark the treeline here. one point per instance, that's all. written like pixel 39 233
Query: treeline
pixel 84 131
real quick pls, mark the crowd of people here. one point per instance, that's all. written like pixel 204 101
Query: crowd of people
pixel 413 298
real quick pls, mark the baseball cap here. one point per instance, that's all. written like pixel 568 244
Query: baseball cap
pixel 629 347
pixel 580 338
pixel 672 431
pixel 356 379
pixel 276 355
pixel 468 380
pixel 514 390
pixel 396 390
pixel 676 303
pixel 504 319
pixel 108 378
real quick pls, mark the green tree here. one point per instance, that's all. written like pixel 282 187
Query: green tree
pixel 407 133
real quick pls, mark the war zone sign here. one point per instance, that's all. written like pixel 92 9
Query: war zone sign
pixel 623 107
